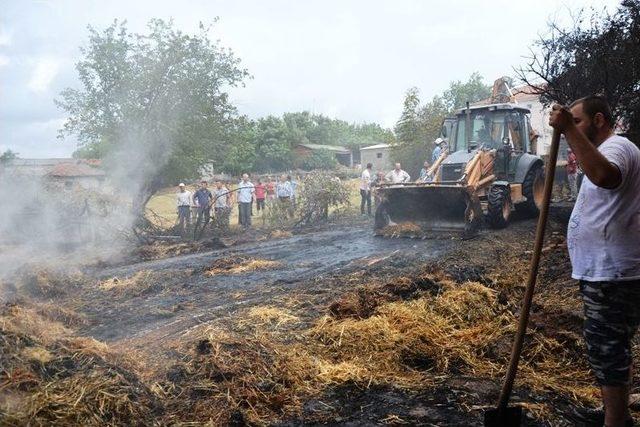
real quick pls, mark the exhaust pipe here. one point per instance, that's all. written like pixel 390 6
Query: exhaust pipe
pixel 467 128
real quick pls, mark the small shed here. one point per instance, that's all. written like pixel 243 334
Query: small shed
pixel 342 154
pixel 378 155
pixel 68 174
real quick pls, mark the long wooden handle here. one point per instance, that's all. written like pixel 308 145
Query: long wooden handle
pixel 507 386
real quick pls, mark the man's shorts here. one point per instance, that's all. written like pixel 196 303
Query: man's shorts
pixel 611 318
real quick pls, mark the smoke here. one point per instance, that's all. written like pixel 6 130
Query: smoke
pixel 49 222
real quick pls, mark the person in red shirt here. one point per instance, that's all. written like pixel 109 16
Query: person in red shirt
pixel 271 189
pixel 261 191
pixel 572 173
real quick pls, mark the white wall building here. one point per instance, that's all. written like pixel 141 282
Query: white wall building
pixel 378 155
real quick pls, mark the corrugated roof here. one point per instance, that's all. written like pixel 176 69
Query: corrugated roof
pixel 40 162
pixel 375 147
pixel 335 148
pixel 74 170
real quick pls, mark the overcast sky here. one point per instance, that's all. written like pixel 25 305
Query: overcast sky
pixel 347 59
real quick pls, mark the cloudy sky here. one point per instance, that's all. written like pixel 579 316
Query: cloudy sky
pixel 347 59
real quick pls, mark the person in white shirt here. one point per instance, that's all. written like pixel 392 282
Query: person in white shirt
pixel 245 198
pixel 284 193
pixel 365 189
pixel 397 175
pixel 603 240
pixel 183 201
pixel 284 190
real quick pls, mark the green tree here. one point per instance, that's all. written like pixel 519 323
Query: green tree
pixel 320 159
pixel 153 105
pixel 419 125
pixel 273 145
pixel 458 93
pixel 240 155
pixel 408 129
pixel 7 156
pixel 413 155
pixel 601 58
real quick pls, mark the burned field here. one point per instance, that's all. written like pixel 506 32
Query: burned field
pixel 335 327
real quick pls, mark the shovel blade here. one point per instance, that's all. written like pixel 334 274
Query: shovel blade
pixel 433 208
pixel 507 417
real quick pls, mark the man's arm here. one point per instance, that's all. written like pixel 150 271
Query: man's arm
pixel 594 164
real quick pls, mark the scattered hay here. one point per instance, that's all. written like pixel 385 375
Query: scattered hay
pixel 36 354
pixel 410 332
pixel 280 234
pixel 67 380
pixel 363 301
pixel 160 250
pixel 138 284
pixel 27 321
pixel 360 304
pixel 235 380
pixel 441 332
pixel 50 284
pixel 58 313
pixel 403 229
pixel 240 264
pixel 408 343
pixel 271 316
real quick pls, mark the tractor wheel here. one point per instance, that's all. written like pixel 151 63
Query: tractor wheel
pixel 381 218
pixel 533 190
pixel 499 206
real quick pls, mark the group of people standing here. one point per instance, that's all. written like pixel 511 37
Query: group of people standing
pixel 200 202
pixel 369 183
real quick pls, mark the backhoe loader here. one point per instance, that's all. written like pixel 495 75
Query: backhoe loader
pixel 487 171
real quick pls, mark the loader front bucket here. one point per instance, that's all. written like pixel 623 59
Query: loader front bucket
pixel 436 207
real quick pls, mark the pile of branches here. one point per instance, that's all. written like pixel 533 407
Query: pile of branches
pixel 320 191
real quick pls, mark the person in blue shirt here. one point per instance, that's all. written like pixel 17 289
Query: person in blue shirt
pixel 202 199
pixel 423 172
pixel 440 146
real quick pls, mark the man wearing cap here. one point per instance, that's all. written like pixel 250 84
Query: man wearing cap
pixel 438 150
pixel 183 199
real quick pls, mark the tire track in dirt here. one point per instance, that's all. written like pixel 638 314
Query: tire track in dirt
pixel 132 323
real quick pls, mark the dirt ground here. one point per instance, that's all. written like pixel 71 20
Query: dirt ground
pixel 334 326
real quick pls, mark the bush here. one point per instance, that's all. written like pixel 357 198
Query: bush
pixel 320 191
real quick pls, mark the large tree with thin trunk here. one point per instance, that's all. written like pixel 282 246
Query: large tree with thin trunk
pixel 598 55
pixel 420 124
pixel 154 106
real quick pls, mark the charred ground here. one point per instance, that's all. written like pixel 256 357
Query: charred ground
pixel 334 326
